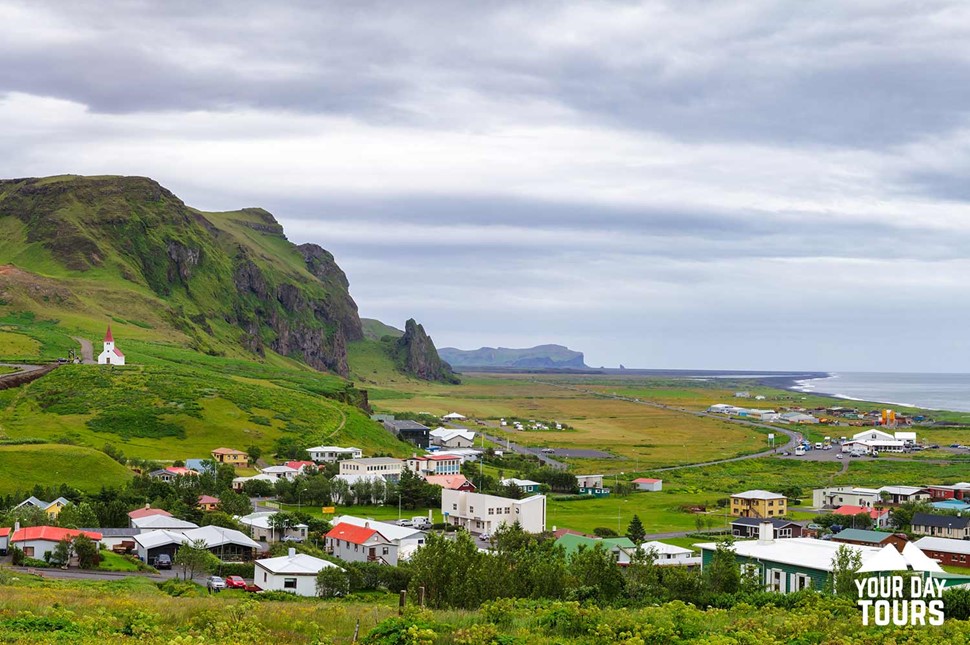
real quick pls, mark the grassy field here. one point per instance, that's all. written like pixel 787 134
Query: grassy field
pixel 23 467
pixel 15 346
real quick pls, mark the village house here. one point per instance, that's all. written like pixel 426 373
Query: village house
pixel 230 456
pixel 478 513
pixel 525 485
pixel 836 496
pixel 957 491
pixel 110 355
pixel 405 539
pixel 145 512
pixel 451 482
pixel 4 539
pixel 948 551
pixel 158 521
pixel 303 467
pixel 748 527
pixel 880 517
pixel 38 541
pixel 229 545
pixel 465 454
pixel 870 538
pixel 294 573
pixel 669 555
pixel 169 474
pixel 323 454
pixel 115 539
pixel 238 483
pixel 280 472
pixel 386 467
pixel 758 503
pixel 359 544
pixel 207 503
pixel 410 431
pixel 53 509
pixel 452 437
pixel 434 465
pixel 260 528
pixel 946 526
pixel 622 548
pixel 591 485
pixel 903 494
pixel 648 484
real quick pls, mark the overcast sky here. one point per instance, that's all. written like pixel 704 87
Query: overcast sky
pixel 763 185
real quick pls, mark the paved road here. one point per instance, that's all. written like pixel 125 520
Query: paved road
pixel 524 450
pixel 81 574
pixel 22 369
pixel 87 350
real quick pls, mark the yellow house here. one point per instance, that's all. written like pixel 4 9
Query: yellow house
pixel 53 509
pixel 230 456
pixel 758 503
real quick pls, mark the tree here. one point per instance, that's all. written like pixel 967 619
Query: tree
pixel 78 516
pixel 596 574
pixel 862 520
pixel 604 532
pixel 193 557
pixel 454 572
pixel 332 582
pixel 635 530
pixel 258 488
pixel 218 518
pixel 723 573
pixel 643 576
pixel 254 452
pixel 902 515
pixel 61 554
pixel 232 503
pixel 845 565
pixel 88 556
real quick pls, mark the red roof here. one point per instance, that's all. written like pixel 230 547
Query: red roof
pixel 646 480
pixel 451 482
pixel 855 510
pixel 179 470
pixel 108 338
pixel 297 465
pixel 50 534
pixel 119 352
pixel 351 533
pixel 145 512
pixel 5 531
pixel 208 499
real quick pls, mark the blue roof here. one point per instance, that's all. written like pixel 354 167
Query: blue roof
pixel 198 465
pixel 954 504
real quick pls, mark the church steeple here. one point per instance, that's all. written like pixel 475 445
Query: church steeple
pixel 108 338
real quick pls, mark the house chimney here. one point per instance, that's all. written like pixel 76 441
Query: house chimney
pixel 766 533
pixel 16 526
pixel 292 552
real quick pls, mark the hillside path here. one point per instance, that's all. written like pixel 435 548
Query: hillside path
pixel 87 350
pixel 793 436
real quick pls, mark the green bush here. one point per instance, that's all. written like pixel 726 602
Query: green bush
pixel 242 569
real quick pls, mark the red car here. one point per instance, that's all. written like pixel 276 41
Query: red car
pixel 235 582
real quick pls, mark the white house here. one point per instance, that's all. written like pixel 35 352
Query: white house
pixel 239 482
pixel 260 528
pixel 836 496
pixel 669 555
pixel 875 440
pixel 111 354
pixel 387 467
pixel 353 543
pixel 4 539
pixel 294 572
pixel 525 485
pixel 479 513
pixel 454 416
pixel 36 541
pixel 452 437
pixel 435 465
pixel 465 454
pixel 407 539
pixel 589 481
pixel 160 522
pixel 333 453
pixel 280 472
pixel 649 484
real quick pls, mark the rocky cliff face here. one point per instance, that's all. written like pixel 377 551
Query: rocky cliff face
pixel 416 355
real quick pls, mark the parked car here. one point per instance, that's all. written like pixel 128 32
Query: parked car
pixel 235 582
pixel 485 537
pixel 162 561
pixel 548 450
pixel 215 583
pixel 838 456
pixel 421 522
pixel 405 523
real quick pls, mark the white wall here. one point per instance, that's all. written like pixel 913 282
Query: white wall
pixel 306 584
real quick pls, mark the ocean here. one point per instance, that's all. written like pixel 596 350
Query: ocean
pixel 931 391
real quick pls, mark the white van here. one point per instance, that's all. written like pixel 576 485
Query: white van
pixel 799 451
pixel 818 445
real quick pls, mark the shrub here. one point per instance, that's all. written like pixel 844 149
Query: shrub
pixel 332 582
pixel 242 569
pixel 604 532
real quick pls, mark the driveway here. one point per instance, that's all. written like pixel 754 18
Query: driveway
pixel 87 350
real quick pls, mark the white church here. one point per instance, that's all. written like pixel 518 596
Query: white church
pixel 111 354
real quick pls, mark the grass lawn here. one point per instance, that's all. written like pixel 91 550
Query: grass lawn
pixel 386 513
pixel 963 571
pixel 14 346
pixel 111 561
pixel 22 467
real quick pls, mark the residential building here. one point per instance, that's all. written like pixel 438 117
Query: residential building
pixel 157 522
pixel 229 545
pixel 52 509
pixel 451 482
pixel 434 465
pixel 115 538
pixel 333 453
pixel 870 538
pixel 452 437
pixel 758 503
pixel 836 496
pixel 359 544
pixel 37 541
pixel 410 431
pixel 957 491
pixel 303 467
pixel 880 516
pixel 748 527
pixel 946 526
pixel 239 483
pixel 622 548
pixel 230 456
pixel 386 467
pixel 479 513
pixel 668 555
pixel 169 474
pixel 648 484
pixel 406 539
pixel 145 512
pixel 295 573
pixel 948 551
pixel 280 472
pixel 465 454
pixel 260 528
pixel 902 494
pixel 592 485
pixel 4 539
pixel 110 355
pixel 525 485
pixel 207 503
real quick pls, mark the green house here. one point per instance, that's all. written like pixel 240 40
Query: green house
pixel 621 547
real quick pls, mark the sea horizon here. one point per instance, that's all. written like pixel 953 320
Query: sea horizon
pixel 926 390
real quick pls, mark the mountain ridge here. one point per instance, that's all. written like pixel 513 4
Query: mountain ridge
pixel 541 356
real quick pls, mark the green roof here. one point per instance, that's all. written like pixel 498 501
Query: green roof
pixel 858 535
pixel 571 543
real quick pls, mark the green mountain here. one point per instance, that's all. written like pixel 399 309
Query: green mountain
pixel 376 330
pixel 539 357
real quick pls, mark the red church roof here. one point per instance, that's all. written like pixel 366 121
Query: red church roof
pixel 118 352
pixel 50 534
pixel 108 338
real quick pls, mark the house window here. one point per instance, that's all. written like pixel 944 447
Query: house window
pixel 491 511
pixel 384 551
pixel 264 576
pixel 356 547
pixel 289 583
pixel 29 551
pixel 471 509
pixel 454 507
pixel 777 580
pixel 802 582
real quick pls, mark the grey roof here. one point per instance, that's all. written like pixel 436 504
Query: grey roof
pixel 861 535
pixel 756 521
pixel 405 424
pixel 940 521
pixel 115 532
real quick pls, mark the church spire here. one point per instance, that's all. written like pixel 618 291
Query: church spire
pixel 108 338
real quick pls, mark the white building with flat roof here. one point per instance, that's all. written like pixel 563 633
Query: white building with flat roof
pixel 480 513
pixel 321 454
pixel 387 467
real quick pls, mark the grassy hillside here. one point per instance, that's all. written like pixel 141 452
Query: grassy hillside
pixel 375 329
pixel 23 467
